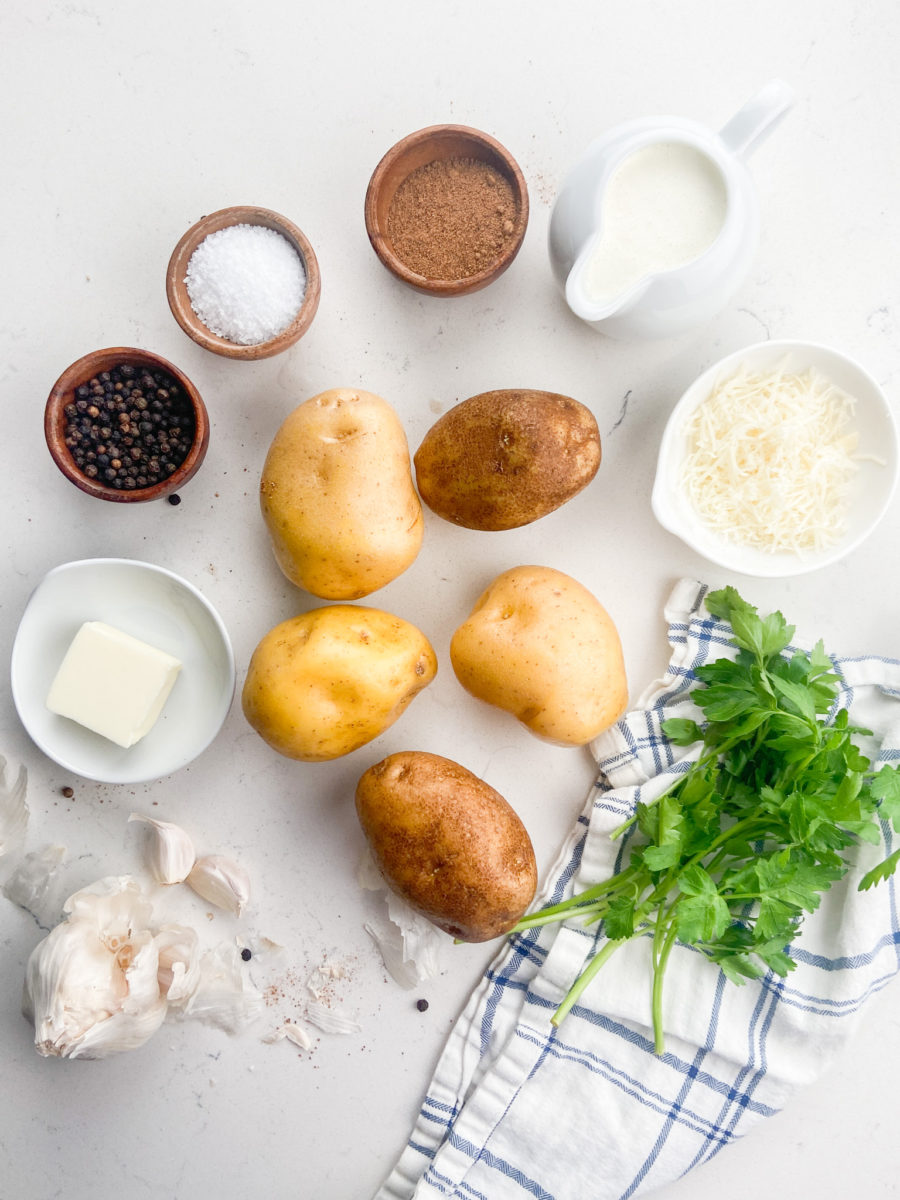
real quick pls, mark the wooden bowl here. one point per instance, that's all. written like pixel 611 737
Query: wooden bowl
pixel 436 143
pixel 63 393
pixel 180 303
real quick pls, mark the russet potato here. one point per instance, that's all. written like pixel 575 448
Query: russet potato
pixel 539 645
pixel 323 684
pixel 503 459
pixel 337 496
pixel 448 843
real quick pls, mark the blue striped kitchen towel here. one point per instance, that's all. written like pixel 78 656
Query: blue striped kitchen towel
pixel 518 1108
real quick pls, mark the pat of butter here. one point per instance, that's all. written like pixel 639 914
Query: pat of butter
pixel 112 683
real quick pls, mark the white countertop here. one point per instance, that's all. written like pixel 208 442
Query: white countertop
pixel 124 124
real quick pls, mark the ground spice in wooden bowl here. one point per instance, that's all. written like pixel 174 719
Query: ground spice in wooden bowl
pixel 451 219
pixel 446 210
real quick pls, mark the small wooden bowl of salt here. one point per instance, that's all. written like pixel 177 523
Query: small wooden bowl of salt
pixel 244 282
pixel 446 210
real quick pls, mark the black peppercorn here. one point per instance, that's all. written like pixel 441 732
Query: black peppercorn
pixel 174 498
pixel 422 1005
pixel 246 954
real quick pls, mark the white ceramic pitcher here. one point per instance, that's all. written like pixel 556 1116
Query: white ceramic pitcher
pixel 671 301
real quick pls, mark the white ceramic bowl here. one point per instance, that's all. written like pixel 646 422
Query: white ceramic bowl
pixel 873 486
pixel 150 603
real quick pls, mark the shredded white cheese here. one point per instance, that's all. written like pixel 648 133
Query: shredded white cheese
pixel 771 459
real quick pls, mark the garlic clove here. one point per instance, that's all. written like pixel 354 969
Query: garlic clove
pixel 170 850
pixel 297 1035
pixel 179 963
pixel 13 809
pixel 221 881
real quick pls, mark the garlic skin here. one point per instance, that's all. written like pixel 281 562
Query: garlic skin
pixel 13 809
pixel 410 945
pixel 31 883
pixel 100 982
pixel 225 996
pixel 222 882
pixel 171 852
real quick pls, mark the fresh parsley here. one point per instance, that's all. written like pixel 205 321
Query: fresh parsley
pixel 742 846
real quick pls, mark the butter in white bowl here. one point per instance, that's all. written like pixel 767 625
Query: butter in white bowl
pixel 155 605
pixel 112 683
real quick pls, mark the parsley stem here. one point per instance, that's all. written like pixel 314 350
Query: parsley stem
pixel 659 971
pixel 711 756
pixel 663 916
pixel 547 918
pixel 584 979
pixel 726 835
pixel 587 900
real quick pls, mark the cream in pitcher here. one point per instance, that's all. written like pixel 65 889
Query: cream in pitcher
pixel 664 206
pixel 656 226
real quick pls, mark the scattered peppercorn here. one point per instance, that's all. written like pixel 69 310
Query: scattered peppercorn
pixel 422 1005
pixel 246 954
pixel 129 427
pixel 68 792
pixel 174 498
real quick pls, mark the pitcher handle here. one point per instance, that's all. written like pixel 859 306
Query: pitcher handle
pixel 756 120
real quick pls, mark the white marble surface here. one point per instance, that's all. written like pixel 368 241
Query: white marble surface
pixel 124 123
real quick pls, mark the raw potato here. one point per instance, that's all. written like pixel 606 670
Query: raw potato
pixel 449 844
pixel 540 645
pixel 503 459
pixel 338 498
pixel 323 684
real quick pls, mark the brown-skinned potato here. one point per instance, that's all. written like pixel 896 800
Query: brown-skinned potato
pixel 506 458
pixel 448 843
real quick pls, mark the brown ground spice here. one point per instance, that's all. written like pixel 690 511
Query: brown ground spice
pixel 451 218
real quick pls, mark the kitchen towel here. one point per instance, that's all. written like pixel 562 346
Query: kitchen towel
pixel 518 1108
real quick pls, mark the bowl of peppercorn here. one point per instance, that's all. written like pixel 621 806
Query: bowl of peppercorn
pixel 126 425
pixel 446 210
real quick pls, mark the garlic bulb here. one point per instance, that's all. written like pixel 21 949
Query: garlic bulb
pixel 13 809
pixel 171 851
pixel 100 981
pixel 221 881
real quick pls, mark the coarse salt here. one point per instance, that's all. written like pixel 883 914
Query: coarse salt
pixel 246 283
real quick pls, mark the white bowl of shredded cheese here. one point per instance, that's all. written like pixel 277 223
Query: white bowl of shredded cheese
pixel 778 460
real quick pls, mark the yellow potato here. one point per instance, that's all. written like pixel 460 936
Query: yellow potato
pixel 326 682
pixel 539 645
pixel 449 844
pixel 337 496
pixel 503 459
